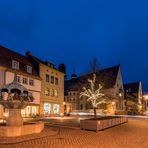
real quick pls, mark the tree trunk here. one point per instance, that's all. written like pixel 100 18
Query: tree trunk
pixel 95 113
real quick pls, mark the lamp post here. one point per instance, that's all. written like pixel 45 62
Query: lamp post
pixel 146 98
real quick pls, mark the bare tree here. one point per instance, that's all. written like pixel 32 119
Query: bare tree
pixel 94 95
pixel 93 65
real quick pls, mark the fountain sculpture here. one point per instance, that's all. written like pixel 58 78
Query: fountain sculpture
pixel 15 97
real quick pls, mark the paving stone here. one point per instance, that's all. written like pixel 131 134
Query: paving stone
pixel 131 135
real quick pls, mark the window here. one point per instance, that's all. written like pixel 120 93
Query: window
pixel 47 108
pixel 47 92
pixel 52 92
pixel 52 79
pixel 15 64
pixel 56 108
pixel 47 78
pixel 56 81
pixel 55 93
pixel 74 100
pixel 81 107
pixel 31 82
pixel 18 79
pixel 29 69
pixel 25 81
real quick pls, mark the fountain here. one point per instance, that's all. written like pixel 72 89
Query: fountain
pixel 15 97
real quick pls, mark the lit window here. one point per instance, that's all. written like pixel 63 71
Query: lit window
pixel 25 81
pixel 52 92
pixel 47 78
pixel 47 108
pixel 55 93
pixel 31 82
pixel 52 79
pixel 47 92
pixel 56 108
pixel 15 64
pixel 29 69
pixel 18 79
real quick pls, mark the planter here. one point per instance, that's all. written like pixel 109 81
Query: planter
pixel 102 123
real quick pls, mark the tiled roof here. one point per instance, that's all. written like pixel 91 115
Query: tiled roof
pixel 107 77
pixel 7 55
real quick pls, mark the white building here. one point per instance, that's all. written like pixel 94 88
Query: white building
pixel 13 63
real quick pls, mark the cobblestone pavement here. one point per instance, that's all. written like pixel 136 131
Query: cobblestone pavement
pixel 131 135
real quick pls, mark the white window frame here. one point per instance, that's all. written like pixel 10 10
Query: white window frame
pixel 29 69
pixel 25 80
pixel 15 64
pixel 31 82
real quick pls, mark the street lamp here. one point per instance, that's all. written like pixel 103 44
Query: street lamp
pixel 146 98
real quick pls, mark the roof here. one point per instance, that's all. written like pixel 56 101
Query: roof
pixel 107 77
pixel 132 87
pixel 7 55
pixel 34 60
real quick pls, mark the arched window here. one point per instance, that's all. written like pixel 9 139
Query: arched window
pixel 51 92
pixel 47 92
pixel 55 93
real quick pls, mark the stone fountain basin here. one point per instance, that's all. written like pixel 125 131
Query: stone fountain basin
pixel 27 129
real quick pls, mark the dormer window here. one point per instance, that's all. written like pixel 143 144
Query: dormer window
pixel 29 69
pixel 15 64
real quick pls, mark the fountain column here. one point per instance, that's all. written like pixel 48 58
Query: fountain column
pixel 14 118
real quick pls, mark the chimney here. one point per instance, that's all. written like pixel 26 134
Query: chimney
pixel 28 53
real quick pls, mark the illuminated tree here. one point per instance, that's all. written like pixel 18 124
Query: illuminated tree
pixel 93 95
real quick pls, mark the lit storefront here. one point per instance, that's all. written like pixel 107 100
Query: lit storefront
pixel 50 109
pixel 30 111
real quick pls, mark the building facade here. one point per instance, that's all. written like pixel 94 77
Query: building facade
pixel 12 63
pixel 52 87
pixel 134 97
pixel 42 79
pixel 111 80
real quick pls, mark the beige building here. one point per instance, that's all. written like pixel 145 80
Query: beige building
pixel 52 88
pixel 111 80
pixel 13 63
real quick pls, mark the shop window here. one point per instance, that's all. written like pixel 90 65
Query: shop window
pixel 47 108
pixel 56 108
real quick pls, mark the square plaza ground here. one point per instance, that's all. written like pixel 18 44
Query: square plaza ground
pixel 131 135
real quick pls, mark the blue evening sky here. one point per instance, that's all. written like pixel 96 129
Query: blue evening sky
pixel 75 31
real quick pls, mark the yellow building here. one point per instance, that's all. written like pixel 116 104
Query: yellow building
pixel 52 87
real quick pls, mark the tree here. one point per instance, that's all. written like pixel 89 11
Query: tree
pixel 93 65
pixel 93 95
